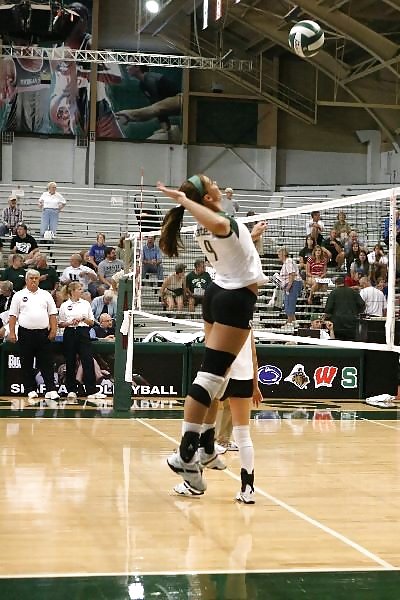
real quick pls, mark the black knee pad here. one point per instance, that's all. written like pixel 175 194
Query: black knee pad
pixel 189 445
pixel 207 439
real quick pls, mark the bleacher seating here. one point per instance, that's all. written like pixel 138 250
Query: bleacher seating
pixel 116 211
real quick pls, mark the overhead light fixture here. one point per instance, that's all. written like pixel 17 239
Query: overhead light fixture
pixel 152 6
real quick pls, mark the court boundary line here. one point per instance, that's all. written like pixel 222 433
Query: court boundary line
pixel 294 511
pixel 378 423
pixel 200 572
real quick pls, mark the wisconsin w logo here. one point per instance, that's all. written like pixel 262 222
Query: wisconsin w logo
pixel 324 376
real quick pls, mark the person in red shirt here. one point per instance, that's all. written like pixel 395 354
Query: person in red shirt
pixel 316 269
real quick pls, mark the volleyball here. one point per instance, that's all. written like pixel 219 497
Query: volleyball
pixel 306 38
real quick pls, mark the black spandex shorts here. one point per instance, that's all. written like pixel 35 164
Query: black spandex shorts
pixel 239 388
pixel 229 307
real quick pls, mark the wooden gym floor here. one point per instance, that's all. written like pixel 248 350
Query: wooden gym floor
pixel 87 508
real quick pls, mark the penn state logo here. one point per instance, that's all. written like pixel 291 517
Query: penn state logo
pixel 24 299
pixel 269 375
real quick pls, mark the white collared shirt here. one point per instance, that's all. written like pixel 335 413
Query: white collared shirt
pixel 79 309
pixel 32 309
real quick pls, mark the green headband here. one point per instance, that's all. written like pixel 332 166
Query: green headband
pixel 198 184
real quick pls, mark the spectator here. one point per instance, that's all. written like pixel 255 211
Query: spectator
pixel 77 272
pixel 105 330
pixel 341 226
pixel 120 249
pixel 361 264
pixel 97 252
pixel 15 273
pixel 10 217
pixel 352 239
pixel 109 266
pixel 374 298
pixel 377 256
pixel 386 228
pixel 353 280
pixel 105 304
pixel 76 318
pixel 335 248
pixel 343 308
pixel 304 254
pixel 85 260
pixel 381 284
pixel 229 206
pixel 352 255
pixel 315 227
pixel 51 203
pixel 256 232
pixel 36 314
pixel 378 263
pixel 152 259
pixel 292 285
pixel 173 289
pixel 325 328
pixel 315 269
pixel 23 243
pixel 48 276
pixel 1 255
pixel 196 283
pixel 6 295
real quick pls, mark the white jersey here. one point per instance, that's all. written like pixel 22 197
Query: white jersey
pixel 234 257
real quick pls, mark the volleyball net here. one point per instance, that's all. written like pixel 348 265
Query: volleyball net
pixel 368 250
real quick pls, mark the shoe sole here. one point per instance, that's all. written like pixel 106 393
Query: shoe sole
pixel 182 473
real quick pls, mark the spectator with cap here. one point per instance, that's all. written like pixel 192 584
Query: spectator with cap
pixel 36 314
pixel 230 206
pixel 11 216
pixel 173 290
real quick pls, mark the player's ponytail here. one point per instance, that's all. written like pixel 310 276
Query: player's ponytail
pixel 170 238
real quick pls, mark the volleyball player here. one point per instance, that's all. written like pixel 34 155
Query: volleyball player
pixel 227 308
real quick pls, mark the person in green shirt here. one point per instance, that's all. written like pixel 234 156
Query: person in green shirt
pixel 196 283
pixel 48 275
pixel 15 273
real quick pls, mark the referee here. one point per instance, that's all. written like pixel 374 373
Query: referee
pixel 36 313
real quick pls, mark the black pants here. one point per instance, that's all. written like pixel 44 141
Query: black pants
pixel 76 340
pixel 35 343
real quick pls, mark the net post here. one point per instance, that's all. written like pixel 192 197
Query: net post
pixel 122 388
pixel 391 304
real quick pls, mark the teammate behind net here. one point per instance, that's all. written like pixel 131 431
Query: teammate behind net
pixel 227 312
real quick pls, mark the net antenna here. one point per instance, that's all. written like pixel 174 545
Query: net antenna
pixel 391 300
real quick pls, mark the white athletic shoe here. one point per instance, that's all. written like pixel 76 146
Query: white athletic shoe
pixel 72 398
pixel 191 473
pixel 246 497
pixel 97 396
pixel 33 398
pixel 185 489
pixel 219 448
pixel 211 461
pixel 232 447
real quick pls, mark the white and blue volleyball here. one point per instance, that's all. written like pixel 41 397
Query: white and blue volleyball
pixel 306 38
